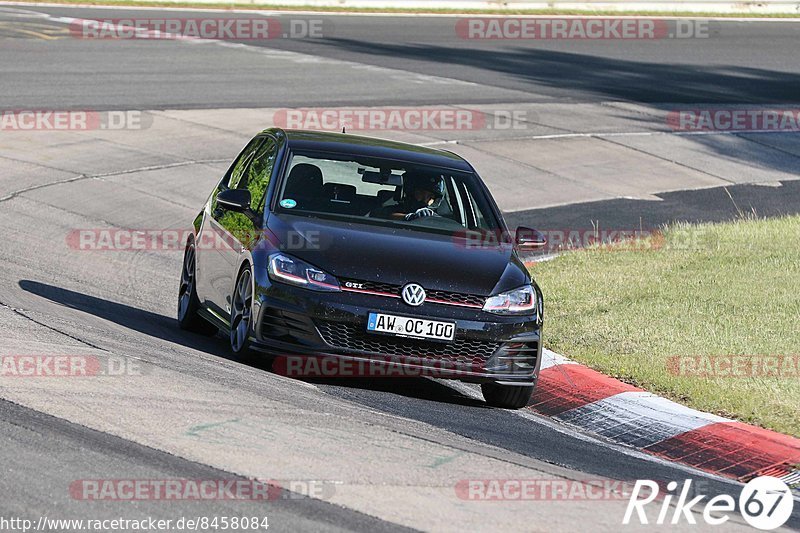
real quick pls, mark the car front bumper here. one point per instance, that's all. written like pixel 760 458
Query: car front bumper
pixel 300 323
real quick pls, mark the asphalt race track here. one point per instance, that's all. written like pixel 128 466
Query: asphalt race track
pixel 373 455
pixel 738 62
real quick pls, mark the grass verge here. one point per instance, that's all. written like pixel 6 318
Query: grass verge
pixel 708 292
pixel 419 11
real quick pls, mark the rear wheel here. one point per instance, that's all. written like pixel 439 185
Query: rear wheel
pixel 188 303
pixel 242 313
pixel 507 396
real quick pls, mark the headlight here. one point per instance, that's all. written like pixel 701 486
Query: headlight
pixel 521 301
pixel 293 271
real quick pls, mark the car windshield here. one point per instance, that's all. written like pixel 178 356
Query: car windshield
pixel 380 192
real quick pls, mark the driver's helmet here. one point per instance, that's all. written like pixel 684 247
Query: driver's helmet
pixel 413 181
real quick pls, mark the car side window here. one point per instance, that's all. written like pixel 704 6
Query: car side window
pixel 258 174
pixel 240 166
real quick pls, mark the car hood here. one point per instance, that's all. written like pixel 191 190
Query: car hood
pixel 398 256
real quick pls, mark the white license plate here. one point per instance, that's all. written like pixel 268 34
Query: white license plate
pixel 404 326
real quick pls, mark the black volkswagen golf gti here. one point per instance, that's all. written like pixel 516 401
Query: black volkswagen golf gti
pixel 370 251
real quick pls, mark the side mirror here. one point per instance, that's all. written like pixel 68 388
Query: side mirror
pixel 235 199
pixel 530 239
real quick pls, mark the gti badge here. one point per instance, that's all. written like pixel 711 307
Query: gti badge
pixel 413 294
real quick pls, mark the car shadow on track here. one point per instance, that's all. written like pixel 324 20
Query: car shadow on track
pixel 418 388
pixel 145 322
pixel 166 328
pixel 588 76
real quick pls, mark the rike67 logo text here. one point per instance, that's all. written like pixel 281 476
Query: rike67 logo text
pixel 765 503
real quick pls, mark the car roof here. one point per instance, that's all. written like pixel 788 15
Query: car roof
pixel 373 147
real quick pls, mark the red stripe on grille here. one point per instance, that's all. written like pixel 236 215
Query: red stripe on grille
pixel 375 293
pixel 391 295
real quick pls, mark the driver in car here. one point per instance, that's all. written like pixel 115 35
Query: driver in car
pixel 421 196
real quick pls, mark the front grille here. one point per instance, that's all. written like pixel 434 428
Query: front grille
pixel 441 297
pixel 352 337
pixel 455 298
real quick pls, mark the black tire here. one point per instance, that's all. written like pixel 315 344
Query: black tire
pixel 507 396
pixel 188 303
pixel 242 313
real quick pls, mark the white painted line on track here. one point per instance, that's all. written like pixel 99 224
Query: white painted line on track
pixel 602 135
pixel 296 57
pixel 300 12
pixel 21 13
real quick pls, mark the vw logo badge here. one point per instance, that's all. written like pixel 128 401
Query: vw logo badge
pixel 413 294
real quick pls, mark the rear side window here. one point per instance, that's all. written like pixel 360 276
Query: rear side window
pixel 258 174
pixel 241 163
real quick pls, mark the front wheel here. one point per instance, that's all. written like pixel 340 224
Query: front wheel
pixel 242 313
pixel 507 396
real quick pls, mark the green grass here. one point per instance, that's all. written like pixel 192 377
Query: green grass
pixel 734 291
pixel 433 11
